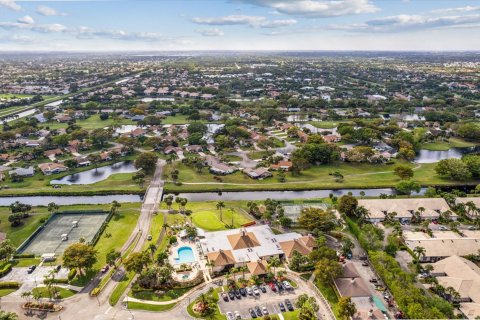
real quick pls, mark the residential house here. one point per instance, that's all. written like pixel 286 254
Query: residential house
pixel 23 172
pixel 52 168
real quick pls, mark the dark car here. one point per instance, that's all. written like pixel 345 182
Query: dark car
pixel 289 305
pixel 237 294
pixel 282 307
pixel 31 269
pixel 373 280
pixel 280 286
pixel 243 292
pixel 57 268
pixel 225 297
pixel 264 290
pixel 252 313
pixel 258 311
pixel 231 295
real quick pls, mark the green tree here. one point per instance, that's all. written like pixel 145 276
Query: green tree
pixel 6 315
pixel 317 219
pixel 347 205
pixel 346 308
pixel 454 169
pixel 403 172
pixel 220 205
pixel 112 256
pixel 6 249
pixel 137 261
pixel 407 187
pixel 327 270
pixel 146 161
pixel 79 256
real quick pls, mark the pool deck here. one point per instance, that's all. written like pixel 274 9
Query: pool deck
pixel 173 258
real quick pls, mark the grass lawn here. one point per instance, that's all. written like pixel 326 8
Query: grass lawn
pixel 91 123
pixel 254 155
pixel 329 293
pixel 356 175
pixel 4 292
pixel 120 288
pixel 40 184
pixel 206 216
pixel 446 145
pixel 326 124
pixel 118 230
pixel 168 296
pixel 64 293
pixel 14 96
pixel 27 262
pixel 291 315
pixel 232 158
pixel 21 233
pixel 150 307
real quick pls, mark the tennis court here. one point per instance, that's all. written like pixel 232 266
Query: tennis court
pixel 63 230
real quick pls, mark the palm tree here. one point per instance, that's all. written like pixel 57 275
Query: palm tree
pixel 420 252
pixel 471 208
pixel 274 262
pixel 421 210
pixel 52 207
pixel 26 295
pixel 183 203
pixel 220 205
pixel 177 201
pixel 152 247
pixel 114 207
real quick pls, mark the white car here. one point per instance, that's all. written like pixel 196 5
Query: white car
pixel 443 228
pixel 237 315
pixel 256 291
pixel 230 316
pixel 264 310
pixel 249 291
pixel 287 285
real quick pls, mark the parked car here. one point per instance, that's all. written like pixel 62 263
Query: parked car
pixel 264 290
pixel 243 292
pixel 57 268
pixel 472 228
pixel 282 307
pixel 237 294
pixel 252 313
pixel 258 311
pixel 289 305
pixel 231 295
pixel 264 310
pixel 373 280
pixel 105 268
pixel 443 228
pixel 237 315
pixel 365 263
pixel 280 286
pixel 380 288
pixel 31 269
pixel 434 221
pixel 149 237
pixel 249 291
pixel 272 286
pixel 287 285
pixel 255 290
pixel 230 316
pixel 225 297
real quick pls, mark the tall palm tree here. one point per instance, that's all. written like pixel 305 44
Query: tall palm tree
pixel 420 252
pixel 274 262
pixel 152 247
pixel 220 205
pixel 114 207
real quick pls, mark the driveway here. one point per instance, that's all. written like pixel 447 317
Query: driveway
pixel 269 300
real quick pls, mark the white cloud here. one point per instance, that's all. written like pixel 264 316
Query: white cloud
pixel 456 10
pixel 17 38
pixel 47 11
pixel 10 4
pixel 215 32
pixel 26 20
pixel 400 23
pixel 318 8
pixel 89 33
pixel 42 28
pixel 252 21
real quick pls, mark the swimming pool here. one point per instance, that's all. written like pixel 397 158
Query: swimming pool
pixel 185 255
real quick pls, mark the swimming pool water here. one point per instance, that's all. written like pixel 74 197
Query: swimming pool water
pixel 185 255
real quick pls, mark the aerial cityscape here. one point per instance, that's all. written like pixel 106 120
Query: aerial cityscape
pixel 247 159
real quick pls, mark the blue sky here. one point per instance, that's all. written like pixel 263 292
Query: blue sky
pixel 240 25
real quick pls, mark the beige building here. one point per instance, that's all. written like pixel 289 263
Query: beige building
pixel 463 276
pixel 405 208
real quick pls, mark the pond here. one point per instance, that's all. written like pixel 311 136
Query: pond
pixel 96 175
pixel 428 156
pixel 69 200
pixel 286 195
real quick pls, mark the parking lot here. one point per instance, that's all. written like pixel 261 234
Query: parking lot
pixel 270 300
pixel 31 280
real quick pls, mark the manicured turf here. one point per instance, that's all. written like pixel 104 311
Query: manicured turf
pixel 206 216
pixel 4 292
pixel 150 307
pixel 120 288
pixel 22 232
pixel 446 145
pixel 168 296
pixel 44 293
pixel 91 123
pixel 326 124
pixel 291 315
pixel 317 177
